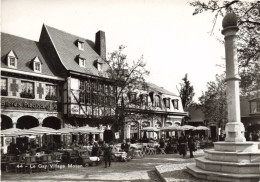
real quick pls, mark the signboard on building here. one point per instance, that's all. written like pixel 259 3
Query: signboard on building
pixel 25 104
pixel 116 135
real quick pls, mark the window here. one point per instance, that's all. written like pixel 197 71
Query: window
pixel 99 66
pixel 27 89
pixel 82 62
pixel 37 65
pixel 88 98
pixel 81 97
pixel 80 45
pixel 51 92
pixel 3 86
pixel 132 97
pixel 101 88
pixel 81 85
pixel 12 60
pixel 175 103
pixel 157 101
pixel 167 102
pixel 94 98
pixel 144 99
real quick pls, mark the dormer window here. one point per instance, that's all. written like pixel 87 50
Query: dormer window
pixel 167 102
pixel 99 64
pixel 12 60
pixel 80 44
pixel 175 103
pixel 37 65
pixel 157 101
pixel 81 61
pixel 132 97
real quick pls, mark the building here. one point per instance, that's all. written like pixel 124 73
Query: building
pixel 250 111
pixel 30 86
pixel 151 106
pixel 62 79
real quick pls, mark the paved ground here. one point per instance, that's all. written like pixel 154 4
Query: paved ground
pixel 171 167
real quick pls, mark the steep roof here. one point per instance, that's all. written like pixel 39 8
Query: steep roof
pixel 26 50
pixel 66 47
pixel 156 88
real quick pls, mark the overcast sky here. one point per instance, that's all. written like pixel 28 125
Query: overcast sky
pixel 172 40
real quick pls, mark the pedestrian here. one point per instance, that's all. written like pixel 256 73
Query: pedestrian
pixel 107 155
pixel 125 146
pixel 191 145
pixel 95 150
pixel 183 145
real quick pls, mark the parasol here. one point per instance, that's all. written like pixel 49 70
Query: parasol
pixel 171 128
pixel 201 128
pixel 150 129
pixel 87 129
pixel 188 127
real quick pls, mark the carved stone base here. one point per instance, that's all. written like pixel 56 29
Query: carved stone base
pixel 235 132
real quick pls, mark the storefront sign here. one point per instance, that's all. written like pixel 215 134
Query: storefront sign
pixel 24 104
pixel 116 135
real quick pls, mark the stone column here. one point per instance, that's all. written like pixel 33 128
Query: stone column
pixel 234 128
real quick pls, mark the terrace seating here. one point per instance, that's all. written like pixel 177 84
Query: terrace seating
pixel 73 157
pixel 4 162
pixel 47 162
pixel 56 158
pixel 30 164
pixel 9 162
pixel 162 150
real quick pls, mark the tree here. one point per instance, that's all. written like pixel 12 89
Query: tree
pixel 213 101
pixel 248 44
pixel 186 93
pixel 126 77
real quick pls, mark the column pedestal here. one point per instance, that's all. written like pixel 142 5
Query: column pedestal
pixel 235 132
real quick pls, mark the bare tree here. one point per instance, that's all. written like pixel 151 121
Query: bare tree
pixel 126 77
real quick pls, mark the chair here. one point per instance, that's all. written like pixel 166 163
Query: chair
pixel 56 159
pixel 74 157
pixel 47 162
pixel 30 164
pixel 152 150
pixel 12 162
pixel 4 162
pixel 162 150
pixel 20 165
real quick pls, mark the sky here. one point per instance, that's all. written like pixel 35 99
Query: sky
pixel 172 40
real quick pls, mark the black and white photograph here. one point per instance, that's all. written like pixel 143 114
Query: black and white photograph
pixel 130 90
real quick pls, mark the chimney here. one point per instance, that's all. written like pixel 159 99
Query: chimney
pixel 100 44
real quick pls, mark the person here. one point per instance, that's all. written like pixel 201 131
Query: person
pixel 95 150
pixel 182 145
pixel 107 155
pixel 191 145
pixel 109 135
pixel 250 136
pixel 13 149
pixel 161 143
pixel 222 137
pixel 22 148
pixel 114 150
pixel 125 146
